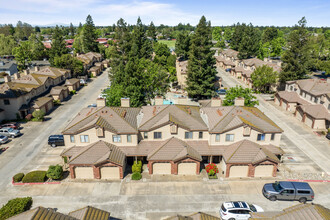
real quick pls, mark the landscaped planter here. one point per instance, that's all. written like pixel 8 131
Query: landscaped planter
pixel 213 177
pixel 43 183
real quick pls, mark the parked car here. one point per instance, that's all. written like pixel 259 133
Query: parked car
pixel 228 69
pixel 92 105
pixel 56 140
pixel 283 190
pixel 3 139
pixel 328 136
pixel 222 92
pixel 238 210
pixel 14 125
pixel 9 132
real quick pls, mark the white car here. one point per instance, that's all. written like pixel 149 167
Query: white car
pixel 238 210
pixel 3 139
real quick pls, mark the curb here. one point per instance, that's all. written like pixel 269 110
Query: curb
pixel 44 183
pixel 312 181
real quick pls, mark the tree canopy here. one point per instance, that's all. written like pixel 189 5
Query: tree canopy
pixel 240 92
pixel 263 77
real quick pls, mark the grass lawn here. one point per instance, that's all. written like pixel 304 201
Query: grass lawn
pixel 169 43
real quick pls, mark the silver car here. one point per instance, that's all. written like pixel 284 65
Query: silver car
pixel 3 139
pixel 9 132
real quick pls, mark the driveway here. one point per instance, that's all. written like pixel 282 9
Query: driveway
pixel 24 152
pixel 296 136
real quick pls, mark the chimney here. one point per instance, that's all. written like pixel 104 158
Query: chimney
pixel 216 102
pixel 36 68
pixel 125 102
pixel 26 72
pixel 159 100
pixel 7 78
pixel 239 101
pixel 17 75
pixel 100 102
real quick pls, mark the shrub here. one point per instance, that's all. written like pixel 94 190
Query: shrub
pixel 15 206
pixel 137 166
pixel 72 92
pixel 35 177
pixel 136 176
pixel 55 172
pixel 18 177
pixel 211 169
pixel 57 102
pixel 39 115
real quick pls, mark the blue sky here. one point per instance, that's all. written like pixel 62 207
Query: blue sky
pixel 220 12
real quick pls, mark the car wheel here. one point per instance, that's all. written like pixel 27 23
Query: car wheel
pixel 272 198
pixel 302 200
pixel 53 145
pixel 231 219
pixel 13 136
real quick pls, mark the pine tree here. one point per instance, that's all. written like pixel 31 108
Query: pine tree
pixel 182 46
pixel 201 70
pixel 250 42
pixel 58 44
pixel 89 36
pixel 151 31
pixel 296 57
pixel 141 46
pixel 71 30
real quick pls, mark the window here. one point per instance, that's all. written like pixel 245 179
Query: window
pixel 288 191
pixel 261 137
pixel 329 107
pixel 145 135
pixel 200 135
pixel 217 137
pixel 72 138
pixel 84 138
pixel 188 135
pixel 315 100
pixel 304 192
pixel 157 135
pixel 129 138
pixel 6 102
pixel 116 138
pixel 272 137
pixel 247 131
pixel 291 88
pixel 229 137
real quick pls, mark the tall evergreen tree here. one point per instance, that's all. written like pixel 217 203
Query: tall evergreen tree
pixel 58 44
pixel 141 46
pixel 71 30
pixel 182 45
pixel 151 31
pixel 250 42
pixel 89 36
pixel 296 57
pixel 201 70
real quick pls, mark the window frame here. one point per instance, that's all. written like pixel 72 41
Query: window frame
pixel 129 138
pixel 217 137
pixel 272 137
pixel 6 102
pixel 116 137
pixel 145 135
pixel 230 139
pixel 200 135
pixel 263 137
pixel 84 138
pixel 72 139
pixel 157 135
pixel 188 135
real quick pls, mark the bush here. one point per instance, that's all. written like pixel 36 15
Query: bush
pixel 136 176
pixel 137 167
pixel 15 206
pixel 18 177
pixel 211 169
pixel 39 115
pixel 35 177
pixel 72 92
pixel 57 102
pixel 55 172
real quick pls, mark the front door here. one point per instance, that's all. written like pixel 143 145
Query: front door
pixel 287 194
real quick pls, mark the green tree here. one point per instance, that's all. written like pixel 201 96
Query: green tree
pixel 239 92
pixel 201 70
pixel 7 44
pixel 216 33
pixel 151 31
pixel 38 50
pixel 71 30
pixel 67 61
pixel 295 59
pixel 263 77
pixel 58 44
pixel 23 54
pixel 249 45
pixel 141 46
pixel 89 36
pixel 182 46
pixel 227 34
pixel 39 115
pixel 15 207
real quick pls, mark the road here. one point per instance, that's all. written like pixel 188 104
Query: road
pixel 297 134
pixel 24 149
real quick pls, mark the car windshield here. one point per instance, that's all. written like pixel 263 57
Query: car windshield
pixel 277 187
pixel 252 208
pixel 10 129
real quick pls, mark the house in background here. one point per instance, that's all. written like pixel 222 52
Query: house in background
pixel 181 72
pixel 172 139
pixel 308 100
pixel 8 66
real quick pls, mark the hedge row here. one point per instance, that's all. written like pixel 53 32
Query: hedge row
pixel 15 206
pixel 35 177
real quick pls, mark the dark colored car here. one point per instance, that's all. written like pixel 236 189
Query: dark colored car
pixel 56 140
pixel 222 92
pixel 328 136
pixel 13 125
